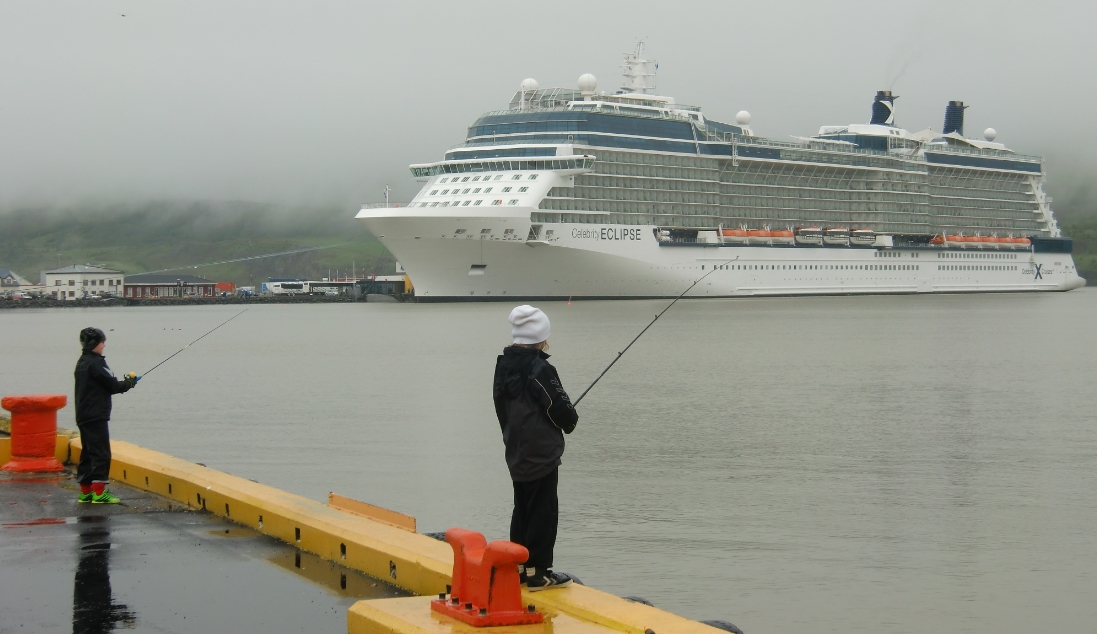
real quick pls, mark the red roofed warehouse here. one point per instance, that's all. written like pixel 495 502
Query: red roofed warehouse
pixel 157 286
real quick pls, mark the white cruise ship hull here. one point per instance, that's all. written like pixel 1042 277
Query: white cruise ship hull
pixel 492 255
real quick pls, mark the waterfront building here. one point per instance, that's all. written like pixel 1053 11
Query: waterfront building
pixel 155 286
pixel 81 281
pixel 11 279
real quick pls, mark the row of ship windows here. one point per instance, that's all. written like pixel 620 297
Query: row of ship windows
pixel 849 190
pixel 757 209
pixel 968 212
pixel 876 181
pixel 986 190
pixel 465 203
pixel 975 267
pixel 821 171
pixel 862 181
pixel 706 217
pixel 476 191
pixel 820 199
pixel 485 177
pixel 814 267
pixel 979 256
pixel 673 160
pixel 951 175
pixel 892 225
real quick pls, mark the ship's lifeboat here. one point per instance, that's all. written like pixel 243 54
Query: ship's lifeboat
pixel 784 236
pixel 836 236
pixel 862 237
pixel 759 236
pixel 959 240
pixel 809 236
pixel 979 242
pixel 735 236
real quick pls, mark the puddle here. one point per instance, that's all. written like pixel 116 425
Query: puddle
pixel 234 532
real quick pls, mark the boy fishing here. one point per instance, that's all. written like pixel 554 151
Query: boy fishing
pixel 95 384
pixel 534 413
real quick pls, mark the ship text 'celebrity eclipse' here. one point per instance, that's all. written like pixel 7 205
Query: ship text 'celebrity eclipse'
pixel 580 193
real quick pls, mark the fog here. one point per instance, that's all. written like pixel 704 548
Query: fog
pixel 326 102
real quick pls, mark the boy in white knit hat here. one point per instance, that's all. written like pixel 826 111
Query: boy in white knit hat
pixel 534 413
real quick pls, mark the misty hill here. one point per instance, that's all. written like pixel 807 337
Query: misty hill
pixel 160 235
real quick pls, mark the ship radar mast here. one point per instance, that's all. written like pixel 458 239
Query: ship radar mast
pixel 639 72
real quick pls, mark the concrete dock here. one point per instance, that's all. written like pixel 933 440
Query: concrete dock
pixel 192 549
pixel 152 564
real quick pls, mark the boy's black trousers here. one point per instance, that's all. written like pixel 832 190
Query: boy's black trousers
pixel 536 513
pixel 95 454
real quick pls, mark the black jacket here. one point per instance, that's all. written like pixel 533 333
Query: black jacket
pixel 95 383
pixel 534 412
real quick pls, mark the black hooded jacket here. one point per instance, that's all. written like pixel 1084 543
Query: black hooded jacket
pixel 534 412
pixel 95 383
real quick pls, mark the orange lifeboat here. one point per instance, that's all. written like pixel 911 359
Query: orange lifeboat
pixel 783 236
pixel 735 236
pixel 937 240
pixel 759 236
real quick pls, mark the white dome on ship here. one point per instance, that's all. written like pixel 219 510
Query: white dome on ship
pixel 587 82
pixel 529 84
pixel 742 117
pixel 990 134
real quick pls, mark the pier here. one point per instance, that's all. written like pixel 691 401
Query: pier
pixel 189 538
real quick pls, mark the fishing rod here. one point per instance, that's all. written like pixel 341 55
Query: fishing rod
pixel 197 340
pixel 621 353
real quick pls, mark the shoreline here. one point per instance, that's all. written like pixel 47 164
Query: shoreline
pixel 211 301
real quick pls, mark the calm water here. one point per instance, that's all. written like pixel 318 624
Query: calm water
pixel 883 464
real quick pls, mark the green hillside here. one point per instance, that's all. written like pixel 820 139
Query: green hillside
pixel 1083 230
pixel 156 236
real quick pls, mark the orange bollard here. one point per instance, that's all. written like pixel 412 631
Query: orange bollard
pixel 486 590
pixel 33 431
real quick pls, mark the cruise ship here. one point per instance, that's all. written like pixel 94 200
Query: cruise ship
pixel 580 193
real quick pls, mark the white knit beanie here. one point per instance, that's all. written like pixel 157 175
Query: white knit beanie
pixel 528 325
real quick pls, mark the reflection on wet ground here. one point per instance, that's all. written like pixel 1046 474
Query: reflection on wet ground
pixel 94 609
pixel 149 565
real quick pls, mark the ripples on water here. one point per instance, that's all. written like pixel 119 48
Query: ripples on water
pixel 884 464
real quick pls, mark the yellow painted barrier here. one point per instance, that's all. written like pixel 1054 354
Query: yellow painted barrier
pixel 413 616
pixel 415 562
pixel 60 450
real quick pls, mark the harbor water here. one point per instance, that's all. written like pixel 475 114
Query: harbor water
pixel 848 464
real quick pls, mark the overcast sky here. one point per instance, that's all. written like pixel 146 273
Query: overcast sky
pixel 325 102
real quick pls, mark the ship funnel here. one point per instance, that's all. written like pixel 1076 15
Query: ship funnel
pixel 954 118
pixel 883 108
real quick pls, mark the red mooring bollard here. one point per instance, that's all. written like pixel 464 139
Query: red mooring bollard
pixel 33 431
pixel 486 590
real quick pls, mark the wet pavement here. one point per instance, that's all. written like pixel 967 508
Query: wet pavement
pixel 149 565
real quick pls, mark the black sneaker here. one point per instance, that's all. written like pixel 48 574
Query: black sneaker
pixel 543 580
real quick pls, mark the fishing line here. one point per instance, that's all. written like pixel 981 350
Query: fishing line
pixel 197 340
pixel 621 353
pixel 250 257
